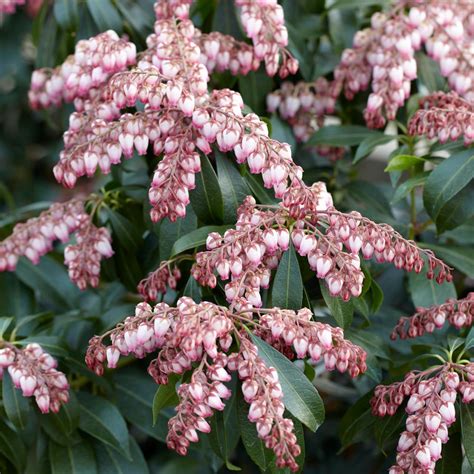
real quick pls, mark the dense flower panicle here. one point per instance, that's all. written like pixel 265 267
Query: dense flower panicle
pixel 262 391
pixel 36 237
pixel 444 116
pixel 156 283
pixel 34 372
pixel 310 339
pixel 83 258
pixel 264 23
pixel 458 313
pixel 383 56
pixel 82 74
pixel 248 253
pixel 431 411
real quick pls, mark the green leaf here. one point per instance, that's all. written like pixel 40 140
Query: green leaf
pixel 447 180
pixel 171 232
pixel 287 289
pixel 62 425
pixel 105 15
pixel 206 198
pixel 192 289
pixel 4 325
pixel 51 344
pixel 426 292
pixel 254 446
pixel 21 297
pixel 225 19
pixel 407 186
pixel 263 195
pixel 102 420
pixel 109 462
pixel 429 73
pixel 368 145
pixel 459 257
pixel 451 456
pixel 469 339
pixel 224 434
pixel 75 459
pixel 342 135
pixel 467 427
pixel 281 131
pixel 196 238
pixel 233 187
pixel 50 279
pixel 300 396
pixel 135 388
pixel 65 12
pixel 458 210
pixel 404 162
pixel 255 87
pixel 341 4
pixel 12 446
pixel 357 421
pixel 165 396
pixel 388 427
pixel 125 230
pixel 16 406
pixel 342 311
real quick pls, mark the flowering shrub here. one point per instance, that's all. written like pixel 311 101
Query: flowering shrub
pixel 255 274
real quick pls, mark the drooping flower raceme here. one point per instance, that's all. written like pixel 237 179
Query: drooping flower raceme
pixel 383 56
pixel 431 397
pixel 198 337
pixel 36 237
pixel 458 313
pixel 34 372
pixel 444 116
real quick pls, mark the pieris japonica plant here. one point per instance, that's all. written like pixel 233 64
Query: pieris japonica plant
pixel 207 281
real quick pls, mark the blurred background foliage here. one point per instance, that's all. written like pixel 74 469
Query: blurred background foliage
pixel 53 312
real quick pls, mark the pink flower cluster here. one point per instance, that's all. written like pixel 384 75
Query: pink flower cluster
pixel 458 313
pixel 248 253
pixel 36 237
pixel 9 6
pixel 309 339
pixel 82 74
pixel 264 23
pixel 159 280
pixel 197 336
pixel 34 372
pixel 262 390
pixel 383 56
pixel 444 116
pixel 431 411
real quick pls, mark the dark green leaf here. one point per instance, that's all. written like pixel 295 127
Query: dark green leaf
pixel 451 456
pixel 171 232
pixel 282 132
pixel 125 230
pixel 368 145
pixel 65 12
pixel 404 189
pixel 342 311
pixel 136 388
pixel 469 344
pixel 426 292
pixel 467 427
pixel 165 396
pixel 263 195
pixel 429 73
pixel 50 279
pixel 459 257
pixel 255 87
pixel 16 406
pixel 75 459
pixel 105 15
pixel 196 238
pixel 109 462
pixel 4 325
pixel 101 419
pixel 356 422
pixel 342 135
pixel 287 290
pixel 12 446
pixel 225 19
pixel 300 396
pixel 387 428
pixel 206 198
pixel 341 4
pixel 458 210
pixel 233 187
pixel 403 162
pixel 446 180
pixel 192 289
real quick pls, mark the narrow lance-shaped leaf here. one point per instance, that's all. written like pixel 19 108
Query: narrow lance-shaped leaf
pixel 300 396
